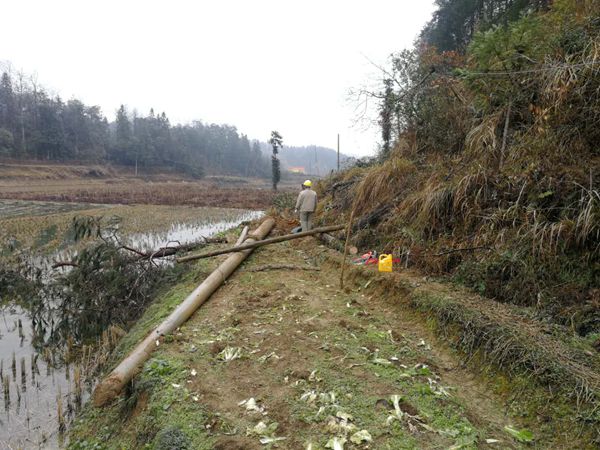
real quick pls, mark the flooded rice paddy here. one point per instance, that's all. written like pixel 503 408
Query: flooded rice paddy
pixel 33 386
pixel 40 392
pixel 16 208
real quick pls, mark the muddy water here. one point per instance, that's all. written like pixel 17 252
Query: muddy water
pixel 32 386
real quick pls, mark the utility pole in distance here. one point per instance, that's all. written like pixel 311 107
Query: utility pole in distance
pixel 338 152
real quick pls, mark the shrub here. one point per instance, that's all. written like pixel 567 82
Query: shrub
pixel 171 438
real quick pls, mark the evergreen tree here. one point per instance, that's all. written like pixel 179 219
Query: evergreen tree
pixel 7 103
pixel 124 149
pixel 7 115
pixel 124 134
pixel 34 125
pixel 48 138
pixel 255 159
pixel 455 22
pixel 276 142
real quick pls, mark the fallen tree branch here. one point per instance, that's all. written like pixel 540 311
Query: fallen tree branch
pixel 283 267
pixel 455 250
pixel 60 264
pixel 332 242
pixel 374 217
pixel 243 236
pixel 170 251
pixel 343 184
pixel 336 244
pixel 137 252
pixel 275 240
pixel 162 252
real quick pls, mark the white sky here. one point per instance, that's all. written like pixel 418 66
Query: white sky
pixel 259 65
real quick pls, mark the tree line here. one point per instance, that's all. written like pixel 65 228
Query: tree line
pixel 37 125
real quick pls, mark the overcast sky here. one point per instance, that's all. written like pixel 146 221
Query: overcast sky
pixel 259 65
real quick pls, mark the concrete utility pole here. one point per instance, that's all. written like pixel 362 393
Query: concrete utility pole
pixel 338 165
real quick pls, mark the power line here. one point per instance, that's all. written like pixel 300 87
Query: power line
pixel 543 69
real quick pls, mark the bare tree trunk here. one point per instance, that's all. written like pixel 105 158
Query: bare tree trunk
pixel 349 228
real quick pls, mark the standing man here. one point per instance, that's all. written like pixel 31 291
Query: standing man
pixel 306 204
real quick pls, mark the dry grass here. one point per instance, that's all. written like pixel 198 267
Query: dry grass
pixel 512 208
pixel 534 227
pixel 587 225
pixel 483 138
pixel 20 170
pixel 383 182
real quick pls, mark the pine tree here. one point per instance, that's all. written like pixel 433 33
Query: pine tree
pixel 7 102
pixel 277 142
pixel 124 139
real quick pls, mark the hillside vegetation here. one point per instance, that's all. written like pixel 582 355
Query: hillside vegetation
pixel 489 163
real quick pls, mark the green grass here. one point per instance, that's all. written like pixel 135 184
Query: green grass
pixel 542 403
pixel 169 405
pixel 166 301
pixel 354 396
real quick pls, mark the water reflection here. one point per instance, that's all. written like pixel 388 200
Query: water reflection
pixel 188 232
pixel 32 384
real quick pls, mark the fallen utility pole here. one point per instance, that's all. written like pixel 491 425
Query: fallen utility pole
pixel 287 237
pixel 112 385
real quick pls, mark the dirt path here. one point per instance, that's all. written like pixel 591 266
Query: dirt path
pixel 355 346
pixel 321 364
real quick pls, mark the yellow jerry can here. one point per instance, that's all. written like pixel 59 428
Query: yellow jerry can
pixel 385 263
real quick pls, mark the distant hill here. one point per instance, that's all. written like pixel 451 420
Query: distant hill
pixel 311 159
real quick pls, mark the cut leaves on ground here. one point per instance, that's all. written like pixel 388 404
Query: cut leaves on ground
pixel 287 336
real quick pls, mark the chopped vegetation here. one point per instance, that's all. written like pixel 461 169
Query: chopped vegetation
pixel 287 360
